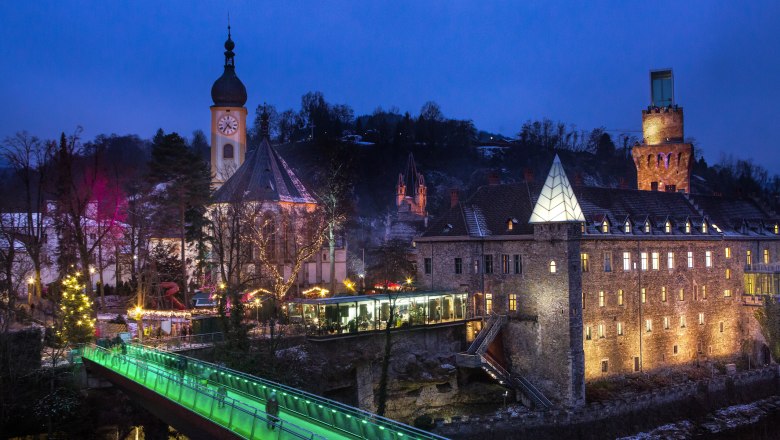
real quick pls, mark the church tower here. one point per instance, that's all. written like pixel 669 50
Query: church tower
pixel 228 120
pixel 664 162
pixel 411 193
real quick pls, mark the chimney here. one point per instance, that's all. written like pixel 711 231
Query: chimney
pixel 493 178
pixel 453 198
pixel 528 175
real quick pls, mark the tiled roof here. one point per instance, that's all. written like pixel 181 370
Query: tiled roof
pixel 264 176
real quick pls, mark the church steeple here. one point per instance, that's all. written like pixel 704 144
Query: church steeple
pixel 229 55
pixel 228 90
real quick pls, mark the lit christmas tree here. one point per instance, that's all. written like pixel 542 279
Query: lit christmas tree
pixel 78 325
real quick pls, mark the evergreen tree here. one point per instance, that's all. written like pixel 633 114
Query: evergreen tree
pixel 76 317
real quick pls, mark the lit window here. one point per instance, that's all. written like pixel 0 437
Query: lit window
pixel 704 228
pixel 620 297
pixel 601 331
pixel 601 298
pixel 703 291
pixel 690 259
pixel 728 274
pixel 647 226
pixel 607 261
pixel 682 321
pixel 668 227
pixel 701 318
pixel 552 266
pixel 681 296
pixel 643 260
pixel 644 295
pixel 655 260
pixel 627 227
pixel 749 258
pixel 584 261
pixel 777 229
pixel 687 227
pixel 766 256
pixel 648 325
pixel 666 323
pixel 727 293
pixel 626 261
pixel 728 252
pixel 605 226
pixel 509 225
pixel 670 260
pixel 587 333
pixel 708 259
pixel 620 329
pixel 512 302
pixel 663 294
pixel 489 302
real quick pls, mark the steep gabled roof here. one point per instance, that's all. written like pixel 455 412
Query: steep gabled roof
pixel 557 202
pixel 264 176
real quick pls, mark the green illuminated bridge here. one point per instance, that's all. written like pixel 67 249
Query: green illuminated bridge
pixel 184 392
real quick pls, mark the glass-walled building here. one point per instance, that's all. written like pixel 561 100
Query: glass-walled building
pixel 352 314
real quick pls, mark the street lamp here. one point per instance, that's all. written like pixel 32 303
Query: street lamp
pixel 257 310
pixel 30 289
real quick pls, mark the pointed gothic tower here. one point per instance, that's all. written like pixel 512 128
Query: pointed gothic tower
pixel 411 195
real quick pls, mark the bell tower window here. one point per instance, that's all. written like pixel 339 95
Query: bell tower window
pixel 227 151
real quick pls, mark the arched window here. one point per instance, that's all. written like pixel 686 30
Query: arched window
pixel 704 228
pixel 605 226
pixel 688 227
pixel 668 227
pixel 227 151
pixel 552 266
pixel 647 226
pixel 627 227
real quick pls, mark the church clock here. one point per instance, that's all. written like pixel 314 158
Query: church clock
pixel 227 125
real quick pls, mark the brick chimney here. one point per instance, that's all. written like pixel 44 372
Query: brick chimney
pixel 453 198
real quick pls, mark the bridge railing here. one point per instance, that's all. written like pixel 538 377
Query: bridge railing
pixel 329 413
pixel 189 341
pixel 236 416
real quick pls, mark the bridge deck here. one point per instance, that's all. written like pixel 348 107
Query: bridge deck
pixel 193 384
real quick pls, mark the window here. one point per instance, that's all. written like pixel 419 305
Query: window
pixel 704 228
pixel 703 291
pixel 604 366
pixel 777 229
pixel 701 318
pixel 727 293
pixel 670 260
pixel 708 259
pixel 647 226
pixel 587 333
pixel 681 296
pixel 227 151
pixel 643 260
pixel 648 325
pixel 655 260
pixel 552 266
pixel 428 264
pixel 644 295
pixel 663 294
pixel 489 302
pixel 682 321
pixel 695 292
pixel 512 302
pixel 666 323
pixel 721 328
pixel 674 350
pixel 668 227
pixel 636 363
pixel 476 266
pixel 626 261
pixel 749 258
pixel 766 256
pixel 601 331
pixel 602 300
pixel 584 261
pixel 488 263
pixel 583 300
pixel 459 265
pixel 605 226
pixel 620 297
pixel 518 264
pixel 620 329
pixel 607 261
pixel 627 227
pixel 690 259
pixel 728 252
pixel 509 225
pixel 687 227
pixel 728 274
pixel 504 263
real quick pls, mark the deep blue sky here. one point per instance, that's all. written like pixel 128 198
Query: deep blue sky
pixel 131 67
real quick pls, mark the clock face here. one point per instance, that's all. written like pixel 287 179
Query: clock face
pixel 227 124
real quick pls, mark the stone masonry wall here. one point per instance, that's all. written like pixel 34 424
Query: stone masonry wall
pixel 665 164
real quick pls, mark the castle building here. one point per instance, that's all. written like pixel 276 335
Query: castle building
pixel 411 199
pixel 578 283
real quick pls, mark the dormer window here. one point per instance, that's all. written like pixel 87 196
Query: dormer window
pixel 777 228
pixel 704 228
pixel 647 226
pixel 668 227
pixel 509 225
pixel 605 226
pixel 627 227
pixel 688 227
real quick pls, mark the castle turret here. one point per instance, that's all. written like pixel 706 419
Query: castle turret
pixel 664 161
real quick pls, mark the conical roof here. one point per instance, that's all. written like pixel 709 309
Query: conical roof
pixel 264 176
pixel 557 202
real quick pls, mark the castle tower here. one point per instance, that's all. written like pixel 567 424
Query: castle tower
pixel 664 161
pixel 411 195
pixel 228 120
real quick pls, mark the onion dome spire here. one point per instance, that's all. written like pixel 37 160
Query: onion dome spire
pixel 228 90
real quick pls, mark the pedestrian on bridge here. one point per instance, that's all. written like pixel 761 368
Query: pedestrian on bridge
pixel 272 410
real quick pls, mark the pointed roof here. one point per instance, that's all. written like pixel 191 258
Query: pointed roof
pixel 557 202
pixel 412 178
pixel 264 176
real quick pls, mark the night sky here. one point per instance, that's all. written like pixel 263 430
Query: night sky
pixel 131 67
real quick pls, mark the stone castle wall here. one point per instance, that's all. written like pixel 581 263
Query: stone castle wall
pixel 666 164
pixel 662 125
